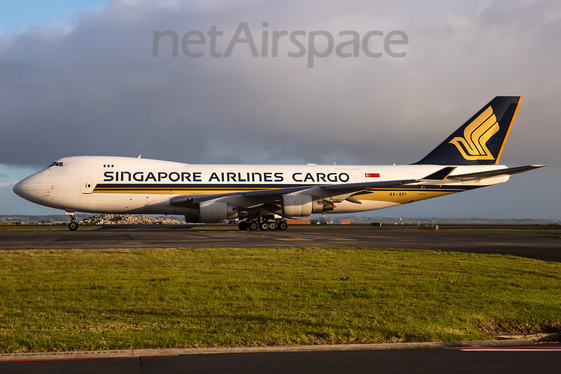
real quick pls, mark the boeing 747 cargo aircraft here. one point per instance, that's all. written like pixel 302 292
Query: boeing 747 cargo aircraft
pixel 262 196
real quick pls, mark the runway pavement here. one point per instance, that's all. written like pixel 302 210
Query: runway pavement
pixel 543 242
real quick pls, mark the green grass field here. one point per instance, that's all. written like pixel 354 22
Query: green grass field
pixel 159 298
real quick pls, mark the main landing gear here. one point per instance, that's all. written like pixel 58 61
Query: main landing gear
pixel 263 224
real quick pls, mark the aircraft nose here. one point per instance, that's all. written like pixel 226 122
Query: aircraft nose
pixel 32 188
pixel 18 189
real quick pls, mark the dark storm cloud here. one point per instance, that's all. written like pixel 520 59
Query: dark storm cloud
pixel 95 89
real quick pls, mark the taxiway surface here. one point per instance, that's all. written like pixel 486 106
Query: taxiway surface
pixel 542 243
pixel 499 360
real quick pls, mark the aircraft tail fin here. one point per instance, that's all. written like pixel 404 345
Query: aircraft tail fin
pixel 479 141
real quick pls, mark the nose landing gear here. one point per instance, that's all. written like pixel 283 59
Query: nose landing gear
pixel 73 225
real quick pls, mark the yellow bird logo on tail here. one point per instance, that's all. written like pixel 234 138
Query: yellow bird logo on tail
pixel 473 146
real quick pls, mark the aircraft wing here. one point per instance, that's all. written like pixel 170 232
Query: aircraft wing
pixel 252 198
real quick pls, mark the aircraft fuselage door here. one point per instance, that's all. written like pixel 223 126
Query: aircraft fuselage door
pixel 87 185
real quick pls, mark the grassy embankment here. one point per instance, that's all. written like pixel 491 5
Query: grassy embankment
pixel 148 298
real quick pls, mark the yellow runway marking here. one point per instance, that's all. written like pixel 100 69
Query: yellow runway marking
pixel 295 239
pixel 353 240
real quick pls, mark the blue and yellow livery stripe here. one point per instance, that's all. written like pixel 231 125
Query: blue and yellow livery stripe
pixel 189 189
pixel 407 194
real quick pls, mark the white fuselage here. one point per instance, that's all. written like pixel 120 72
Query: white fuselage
pixel 136 185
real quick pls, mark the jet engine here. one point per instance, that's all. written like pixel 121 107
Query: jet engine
pixel 300 205
pixel 216 211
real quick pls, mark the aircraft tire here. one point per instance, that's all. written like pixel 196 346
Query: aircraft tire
pixel 73 226
pixel 253 225
pixel 282 225
pixel 243 225
pixel 264 225
pixel 272 225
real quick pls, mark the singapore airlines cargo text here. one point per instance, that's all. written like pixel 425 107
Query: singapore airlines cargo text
pixel 272 177
pixel 319 43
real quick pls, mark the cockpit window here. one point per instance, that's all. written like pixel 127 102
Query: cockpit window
pixel 56 164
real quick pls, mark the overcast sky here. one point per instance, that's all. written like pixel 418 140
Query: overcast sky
pixel 80 78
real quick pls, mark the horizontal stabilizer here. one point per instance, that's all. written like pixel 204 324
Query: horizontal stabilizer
pixel 493 173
